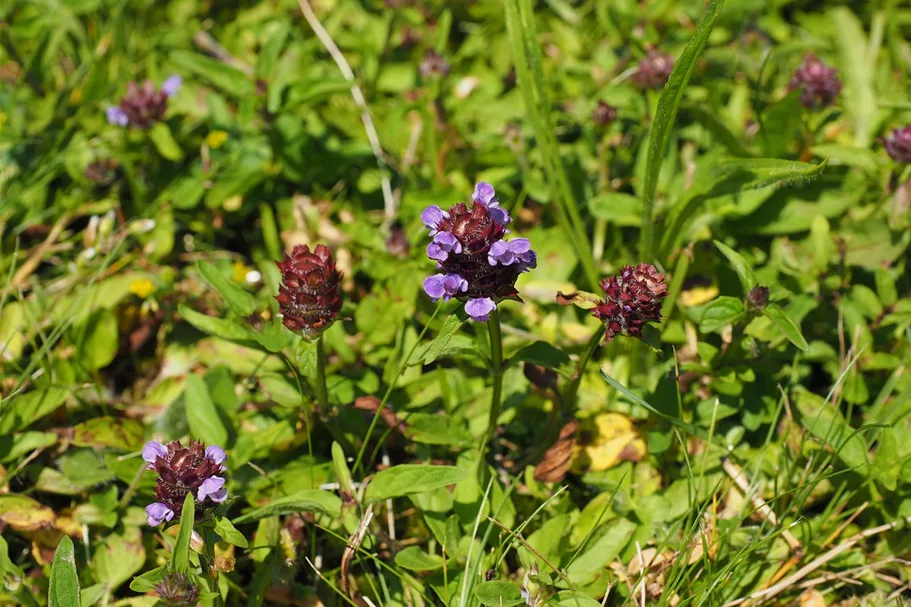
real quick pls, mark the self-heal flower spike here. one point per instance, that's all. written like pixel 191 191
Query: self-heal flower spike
pixel 177 590
pixel 653 71
pixel 143 105
pixel 477 265
pixel 194 469
pixel 631 299
pixel 309 296
pixel 898 145
pixel 819 83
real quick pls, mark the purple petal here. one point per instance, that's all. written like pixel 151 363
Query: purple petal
pixel 484 193
pixel 500 253
pixel 480 308
pixel 433 286
pixel 212 488
pixel 435 251
pixel 432 216
pixel 158 513
pixel 151 451
pixel 453 284
pixel 116 116
pixel 499 215
pixel 170 86
pixel 519 246
pixel 215 454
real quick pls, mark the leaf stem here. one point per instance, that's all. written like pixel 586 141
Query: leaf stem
pixel 569 397
pixel 496 357
pixel 322 397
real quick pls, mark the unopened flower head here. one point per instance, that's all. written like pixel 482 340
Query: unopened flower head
pixel 143 105
pixel 476 264
pixel 819 83
pixel 898 145
pixel 631 298
pixel 654 70
pixel 194 469
pixel 177 590
pixel 433 65
pixel 604 114
pixel 309 295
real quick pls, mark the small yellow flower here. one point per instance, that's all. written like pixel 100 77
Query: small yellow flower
pixel 142 287
pixel 216 139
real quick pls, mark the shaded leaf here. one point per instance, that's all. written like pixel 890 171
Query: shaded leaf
pixel 239 301
pixel 497 593
pixel 308 500
pixel 412 478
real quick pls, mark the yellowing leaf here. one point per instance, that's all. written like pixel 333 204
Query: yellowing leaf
pixel 22 513
pixel 615 440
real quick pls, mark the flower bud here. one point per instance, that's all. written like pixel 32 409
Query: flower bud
pixel 604 114
pixel 898 145
pixel 433 65
pixel 632 298
pixel 759 297
pixel 176 590
pixel 309 295
pixel 654 70
pixel 819 83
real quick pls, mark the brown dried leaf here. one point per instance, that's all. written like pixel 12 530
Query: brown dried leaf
pixel 553 466
pixel 812 598
pixel 372 404
pixel 581 299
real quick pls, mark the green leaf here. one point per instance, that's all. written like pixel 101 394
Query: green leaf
pixel 568 598
pixel 887 463
pixel 20 411
pixel 236 298
pixel 202 414
pixel 219 327
pixel 116 432
pixel 63 586
pixel 546 355
pixel 450 327
pixel 342 473
pixel 308 500
pixel 778 316
pixel 412 478
pixel 229 532
pixel 416 559
pixel 180 558
pixel 223 76
pixel 665 115
pixel 119 558
pixel 148 580
pixel 600 553
pixel 740 265
pixel 721 312
pixel 497 593
pixel 98 340
pixel 164 142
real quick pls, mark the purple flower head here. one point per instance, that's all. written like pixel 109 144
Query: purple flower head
pixel 443 244
pixel 152 451
pixel 514 251
pixel 480 308
pixel 477 265
pixel 898 145
pixel 170 86
pixel 158 513
pixel 819 83
pixel 212 488
pixel 445 286
pixel 631 299
pixel 116 116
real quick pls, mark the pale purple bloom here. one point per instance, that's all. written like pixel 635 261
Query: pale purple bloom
pixel 480 308
pixel 158 513
pixel 514 251
pixel 170 86
pixel 215 454
pixel 116 116
pixel 432 216
pixel 443 244
pixel 444 285
pixel 484 194
pixel 152 451
pixel 213 488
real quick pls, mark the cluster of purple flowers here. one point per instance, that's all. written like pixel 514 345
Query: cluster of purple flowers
pixel 477 265
pixel 819 83
pixel 181 471
pixel 143 105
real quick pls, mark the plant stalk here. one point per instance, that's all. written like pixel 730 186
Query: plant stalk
pixel 322 397
pixel 496 356
pixel 569 396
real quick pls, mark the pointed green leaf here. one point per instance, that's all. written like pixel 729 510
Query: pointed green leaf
pixel 239 301
pixel 778 316
pixel 63 587
pixel 740 265
pixel 412 478
pixel 180 558
pixel 229 532
pixel 308 500
pixel 202 414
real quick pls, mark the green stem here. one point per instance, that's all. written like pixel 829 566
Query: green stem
pixel 496 356
pixel 212 573
pixel 322 397
pixel 569 397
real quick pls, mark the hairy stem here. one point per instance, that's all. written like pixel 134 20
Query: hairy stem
pixel 496 356
pixel 322 397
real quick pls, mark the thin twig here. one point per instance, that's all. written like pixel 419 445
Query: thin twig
pixel 531 549
pixel 359 100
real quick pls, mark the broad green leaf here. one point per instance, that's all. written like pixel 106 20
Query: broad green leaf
pixel 601 552
pixel 497 593
pixel 164 142
pixel 98 340
pixel 236 298
pixel 63 585
pixel 308 500
pixel 148 580
pixel 546 355
pixel 119 557
pixel 665 115
pixel 416 559
pixel 450 328
pixel 20 411
pixel 117 432
pixel 202 414
pixel 412 478
pixel 180 557
pixel 721 312
pixel 229 532
pixel 740 265
pixel 777 315
pixel 568 598
pixel 219 327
